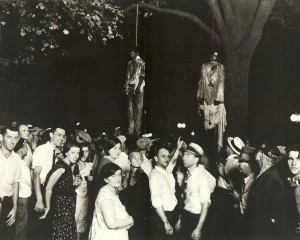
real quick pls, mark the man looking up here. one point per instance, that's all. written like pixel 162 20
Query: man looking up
pixel 10 168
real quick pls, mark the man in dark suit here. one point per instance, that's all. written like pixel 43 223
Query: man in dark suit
pixel 266 201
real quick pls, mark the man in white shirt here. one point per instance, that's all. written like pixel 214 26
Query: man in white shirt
pixel 164 202
pixel 10 167
pixel 25 187
pixel 43 159
pixel 197 194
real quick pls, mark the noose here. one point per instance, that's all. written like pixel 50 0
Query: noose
pixel 213 30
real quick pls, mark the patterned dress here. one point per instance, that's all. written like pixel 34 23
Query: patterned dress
pixel 63 203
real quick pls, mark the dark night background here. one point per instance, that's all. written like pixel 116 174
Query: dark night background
pixel 87 86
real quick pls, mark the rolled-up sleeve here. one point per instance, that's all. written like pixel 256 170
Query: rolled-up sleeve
pixel 37 158
pixel 155 189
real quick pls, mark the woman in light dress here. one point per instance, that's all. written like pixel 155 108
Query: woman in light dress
pixel 82 198
pixel 110 220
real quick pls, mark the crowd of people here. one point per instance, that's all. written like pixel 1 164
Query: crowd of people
pixel 59 184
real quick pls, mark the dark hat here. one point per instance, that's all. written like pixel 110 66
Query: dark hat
pixel 85 136
pixel 194 149
pixel 247 154
pixel 143 142
pixel 271 151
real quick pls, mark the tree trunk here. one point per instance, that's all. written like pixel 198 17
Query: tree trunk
pixel 237 65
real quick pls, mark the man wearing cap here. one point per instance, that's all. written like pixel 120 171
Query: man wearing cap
pixel 197 194
pixel 265 212
pixel 249 169
pixel 144 145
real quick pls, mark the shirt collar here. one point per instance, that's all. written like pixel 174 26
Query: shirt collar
pixel 248 178
pixel 50 145
pixel 163 171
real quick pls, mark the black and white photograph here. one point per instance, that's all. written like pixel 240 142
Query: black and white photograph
pixel 149 119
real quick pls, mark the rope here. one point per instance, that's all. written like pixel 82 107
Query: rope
pixel 213 29
pixel 136 25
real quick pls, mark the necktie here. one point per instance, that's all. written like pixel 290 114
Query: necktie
pixel 53 158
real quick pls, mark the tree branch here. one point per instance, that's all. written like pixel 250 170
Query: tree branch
pixel 179 13
pixel 263 12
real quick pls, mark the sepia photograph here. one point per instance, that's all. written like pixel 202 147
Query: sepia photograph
pixel 149 119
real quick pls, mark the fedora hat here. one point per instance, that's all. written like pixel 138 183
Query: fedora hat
pixel 247 154
pixel 236 144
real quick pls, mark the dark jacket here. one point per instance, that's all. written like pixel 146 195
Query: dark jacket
pixel 265 216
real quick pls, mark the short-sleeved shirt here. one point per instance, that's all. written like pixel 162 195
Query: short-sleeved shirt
pixel 10 170
pixel 43 157
pixel 25 184
pixel 162 188
pixel 197 190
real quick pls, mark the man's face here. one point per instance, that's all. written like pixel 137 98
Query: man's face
pixel 294 163
pixel 163 158
pixel 10 139
pixel 136 159
pixel 189 159
pixel 57 138
pixel 133 55
pixel 24 132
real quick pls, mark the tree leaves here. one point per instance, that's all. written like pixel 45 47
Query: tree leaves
pixel 44 25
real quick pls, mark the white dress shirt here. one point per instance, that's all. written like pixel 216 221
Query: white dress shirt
pixel 197 190
pixel 162 187
pixel 10 170
pixel 25 184
pixel 43 157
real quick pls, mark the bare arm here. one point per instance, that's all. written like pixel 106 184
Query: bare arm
pixel 39 206
pixel 173 161
pixel 12 214
pixel 108 211
pixel 52 181
pixel 161 213
pixel 196 234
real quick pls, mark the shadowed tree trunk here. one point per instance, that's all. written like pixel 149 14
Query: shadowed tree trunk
pixel 240 24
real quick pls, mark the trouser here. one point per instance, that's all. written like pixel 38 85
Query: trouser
pixel 189 222
pixel 6 232
pixel 40 229
pixel 156 228
pixel 134 112
pixel 22 218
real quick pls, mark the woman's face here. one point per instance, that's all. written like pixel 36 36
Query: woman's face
pixel 86 153
pixel 115 151
pixel 115 179
pixel 136 159
pixel 73 154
